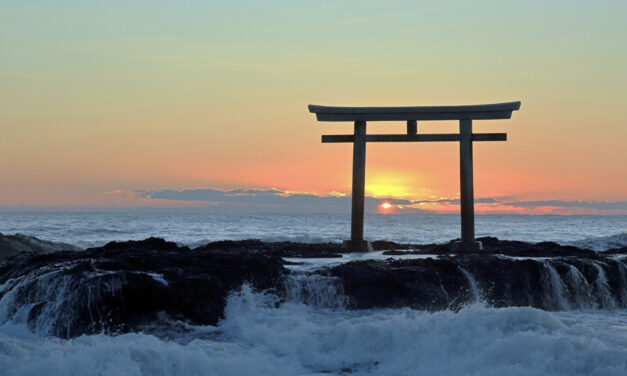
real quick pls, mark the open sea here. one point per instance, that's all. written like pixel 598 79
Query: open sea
pixel 257 338
pixel 89 229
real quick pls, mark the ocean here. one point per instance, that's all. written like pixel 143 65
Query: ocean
pixel 258 336
pixel 90 229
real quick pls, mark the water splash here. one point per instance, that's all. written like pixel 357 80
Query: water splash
pixel 47 300
pixel 579 288
pixel 315 290
pixel 476 293
pixel 603 289
pixel 557 287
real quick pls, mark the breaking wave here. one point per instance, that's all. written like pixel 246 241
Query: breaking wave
pixel 602 243
pixel 257 338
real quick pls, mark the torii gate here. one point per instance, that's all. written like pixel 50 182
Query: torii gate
pixel 465 115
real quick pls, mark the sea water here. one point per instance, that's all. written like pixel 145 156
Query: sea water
pixel 260 337
pixel 89 229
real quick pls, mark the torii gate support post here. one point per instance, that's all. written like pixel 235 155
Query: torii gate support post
pixel 466 189
pixel 359 185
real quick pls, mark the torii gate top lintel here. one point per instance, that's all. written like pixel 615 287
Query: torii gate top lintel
pixel 472 112
pixel 464 114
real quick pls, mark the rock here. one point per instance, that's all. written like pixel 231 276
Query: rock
pixel 494 246
pixel 122 286
pixel 427 284
pixel 11 245
pixel 616 251
pixel 447 282
pixel 283 249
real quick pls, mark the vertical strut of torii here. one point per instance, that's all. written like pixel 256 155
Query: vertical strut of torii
pixel 411 115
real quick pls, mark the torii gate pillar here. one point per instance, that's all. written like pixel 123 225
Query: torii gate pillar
pixel 464 114
pixel 466 189
pixel 357 241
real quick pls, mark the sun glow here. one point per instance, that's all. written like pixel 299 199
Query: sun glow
pixel 386 208
pixel 391 184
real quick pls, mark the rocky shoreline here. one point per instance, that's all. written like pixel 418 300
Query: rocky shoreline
pixel 123 286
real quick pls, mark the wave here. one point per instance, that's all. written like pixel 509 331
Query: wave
pixel 256 337
pixel 601 243
pixel 11 245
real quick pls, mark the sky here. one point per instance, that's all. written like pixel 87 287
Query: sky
pixel 148 103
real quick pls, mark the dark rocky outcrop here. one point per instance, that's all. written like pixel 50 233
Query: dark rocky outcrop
pixel 430 284
pixel 555 283
pixel 491 245
pixel 616 251
pixel 124 286
pixel 282 249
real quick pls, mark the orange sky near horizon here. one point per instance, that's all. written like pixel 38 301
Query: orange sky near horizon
pixel 103 100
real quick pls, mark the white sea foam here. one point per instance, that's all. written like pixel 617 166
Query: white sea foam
pixel 158 277
pixel 256 338
pixel 602 243
pixel 476 293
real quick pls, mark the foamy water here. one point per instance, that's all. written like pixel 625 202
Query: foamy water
pixel 255 338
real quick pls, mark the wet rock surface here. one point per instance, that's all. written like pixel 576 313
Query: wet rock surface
pixel 124 286
pixel 556 283
pixel 493 245
pixel 282 249
pixel 121 286
pixel 429 284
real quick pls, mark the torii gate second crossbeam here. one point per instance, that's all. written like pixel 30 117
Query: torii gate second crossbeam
pixel 464 114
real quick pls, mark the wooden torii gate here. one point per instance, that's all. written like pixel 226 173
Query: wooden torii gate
pixel 464 114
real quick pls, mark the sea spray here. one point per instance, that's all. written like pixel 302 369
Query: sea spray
pixel 262 336
pixel 316 290
pixel 476 294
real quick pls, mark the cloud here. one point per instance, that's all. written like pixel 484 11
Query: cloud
pixel 573 206
pixel 455 201
pixel 269 200
pixel 594 205
pixel 239 201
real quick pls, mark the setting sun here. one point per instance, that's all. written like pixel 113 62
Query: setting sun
pixel 386 207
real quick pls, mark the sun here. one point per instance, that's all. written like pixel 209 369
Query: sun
pixel 386 207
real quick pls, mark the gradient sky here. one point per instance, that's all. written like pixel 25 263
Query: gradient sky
pixel 103 100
